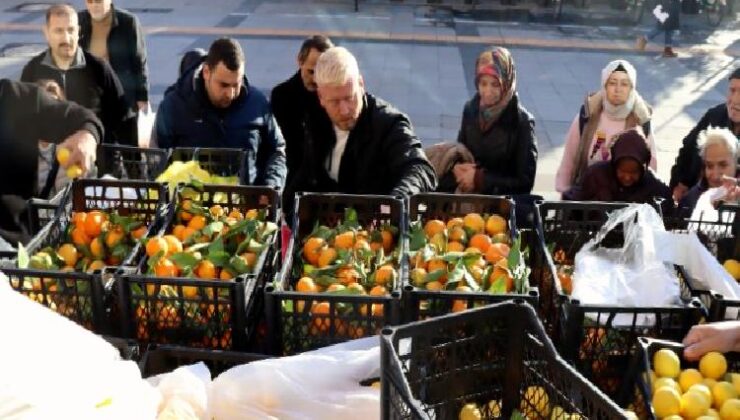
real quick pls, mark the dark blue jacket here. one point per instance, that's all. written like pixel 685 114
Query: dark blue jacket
pixel 186 118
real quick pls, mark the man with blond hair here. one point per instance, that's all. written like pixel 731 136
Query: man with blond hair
pixel 84 78
pixel 365 146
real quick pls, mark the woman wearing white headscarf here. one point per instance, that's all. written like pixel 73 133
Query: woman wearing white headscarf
pixel 614 108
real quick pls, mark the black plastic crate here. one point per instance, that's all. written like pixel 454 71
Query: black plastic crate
pixel 86 297
pixel 128 349
pixel 291 325
pixel 127 162
pixel 160 359
pixel 636 393
pixel 722 239
pixel 587 334
pixel 420 304
pixel 220 314
pixel 217 161
pixel 41 212
pixel 496 357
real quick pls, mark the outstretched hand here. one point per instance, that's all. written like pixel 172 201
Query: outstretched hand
pixel 717 336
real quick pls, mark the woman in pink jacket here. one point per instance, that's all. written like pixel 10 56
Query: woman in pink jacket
pixel 614 108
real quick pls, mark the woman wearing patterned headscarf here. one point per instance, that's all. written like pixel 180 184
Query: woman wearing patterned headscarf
pixel 497 130
pixel 614 108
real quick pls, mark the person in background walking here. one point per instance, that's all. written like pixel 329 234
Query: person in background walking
pixel 667 14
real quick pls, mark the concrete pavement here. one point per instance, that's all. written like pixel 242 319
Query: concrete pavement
pixel 423 64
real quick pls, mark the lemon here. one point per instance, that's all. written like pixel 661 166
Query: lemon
pixel 713 365
pixel 666 364
pixel 735 379
pixel 733 267
pixel 694 404
pixel 673 417
pixel 62 155
pixel 730 410
pixel 713 413
pixel 494 408
pixel 703 390
pixel 666 402
pixel 557 413
pixel 536 402
pixel 723 391
pixel 653 377
pixel 661 382
pixel 470 412
pixel 709 382
pixel 74 171
pixel 689 377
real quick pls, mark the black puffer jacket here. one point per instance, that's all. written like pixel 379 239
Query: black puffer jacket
pixel 382 156
pixel 126 51
pixel 687 169
pixel 507 152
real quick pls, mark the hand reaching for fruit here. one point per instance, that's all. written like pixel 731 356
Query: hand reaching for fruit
pixel 716 336
pixel 77 153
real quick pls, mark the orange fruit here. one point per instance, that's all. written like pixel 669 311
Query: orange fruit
pixel 173 244
pixel 78 219
pixel 378 291
pixel 455 222
pixel 94 266
pixel 96 248
pixel 385 274
pixel 94 223
pixel 481 241
pixel 187 233
pixel 312 250
pixel 459 304
pixel 250 258
pixel 455 247
pixel 347 275
pixel 185 216
pixel 216 210
pixel 156 245
pixel 327 256
pixel 206 270
pixel 433 227
pixel 474 222
pixel 457 234
pixel 501 272
pixel 436 264
pixel 113 260
pixel 434 286
pixel 251 214
pixel 345 240
pixel 322 322
pixel 306 285
pixel 236 215
pixel 497 252
pixel 113 237
pixel 177 231
pixel 387 241
pixel 198 222
pixel 356 287
pixel 165 268
pixel 139 232
pixel 68 253
pixel 495 225
pixel 226 274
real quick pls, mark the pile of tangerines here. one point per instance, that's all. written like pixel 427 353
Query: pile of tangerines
pixel 463 254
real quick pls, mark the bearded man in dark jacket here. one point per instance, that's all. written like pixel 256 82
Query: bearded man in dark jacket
pixel 360 144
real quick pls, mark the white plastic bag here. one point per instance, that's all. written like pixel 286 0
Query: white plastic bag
pixel 317 385
pixel 145 123
pixel 633 275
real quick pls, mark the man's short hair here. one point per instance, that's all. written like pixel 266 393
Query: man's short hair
pixel 59 9
pixel 335 67
pixel 735 74
pixel 227 51
pixel 319 43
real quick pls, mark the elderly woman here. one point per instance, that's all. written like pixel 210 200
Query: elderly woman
pixel 718 148
pixel 614 108
pixel 498 132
